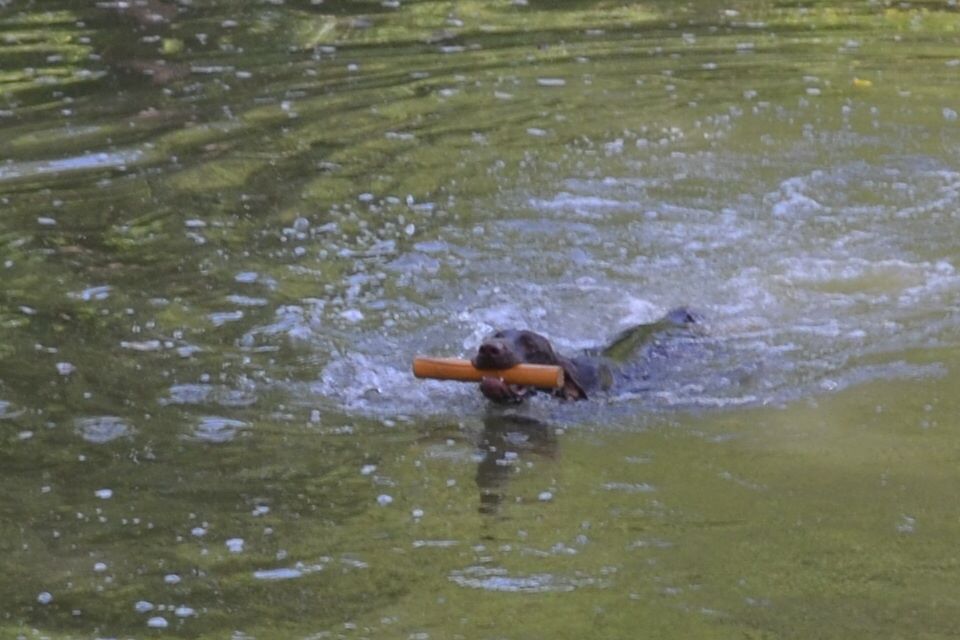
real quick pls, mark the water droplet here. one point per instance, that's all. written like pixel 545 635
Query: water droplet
pixel 144 345
pixel 157 622
pixel 907 524
pixel 101 292
pixel 221 318
pixel 352 315
pixel 143 606
pixel 101 429
pixel 216 429
pixel 277 574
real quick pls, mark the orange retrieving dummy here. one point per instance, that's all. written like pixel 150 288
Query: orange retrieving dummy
pixel 531 375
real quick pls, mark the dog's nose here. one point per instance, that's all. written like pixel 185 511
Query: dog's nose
pixel 490 349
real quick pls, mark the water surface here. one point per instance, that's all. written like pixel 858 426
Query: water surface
pixel 228 227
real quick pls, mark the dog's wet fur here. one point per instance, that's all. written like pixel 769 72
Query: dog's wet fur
pixel 584 375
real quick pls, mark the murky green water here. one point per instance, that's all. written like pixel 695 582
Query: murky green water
pixel 225 229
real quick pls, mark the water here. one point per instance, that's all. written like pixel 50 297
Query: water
pixel 227 230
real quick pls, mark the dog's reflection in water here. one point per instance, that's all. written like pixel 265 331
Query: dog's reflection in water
pixel 506 440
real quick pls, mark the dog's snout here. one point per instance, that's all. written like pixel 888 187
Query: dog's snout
pixel 495 353
pixel 491 349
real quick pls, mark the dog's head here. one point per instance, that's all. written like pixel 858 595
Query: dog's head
pixel 510 347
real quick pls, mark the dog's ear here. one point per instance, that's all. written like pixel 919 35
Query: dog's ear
pixel 572 388
pixel 535 348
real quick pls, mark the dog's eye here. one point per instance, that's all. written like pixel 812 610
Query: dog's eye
pixel 498 335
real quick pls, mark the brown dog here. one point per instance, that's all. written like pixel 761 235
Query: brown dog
pixel 583 375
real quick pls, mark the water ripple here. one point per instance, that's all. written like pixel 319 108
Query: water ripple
pixel 87 161
pixel 102 429
pixel 498 579
pixel 216 429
